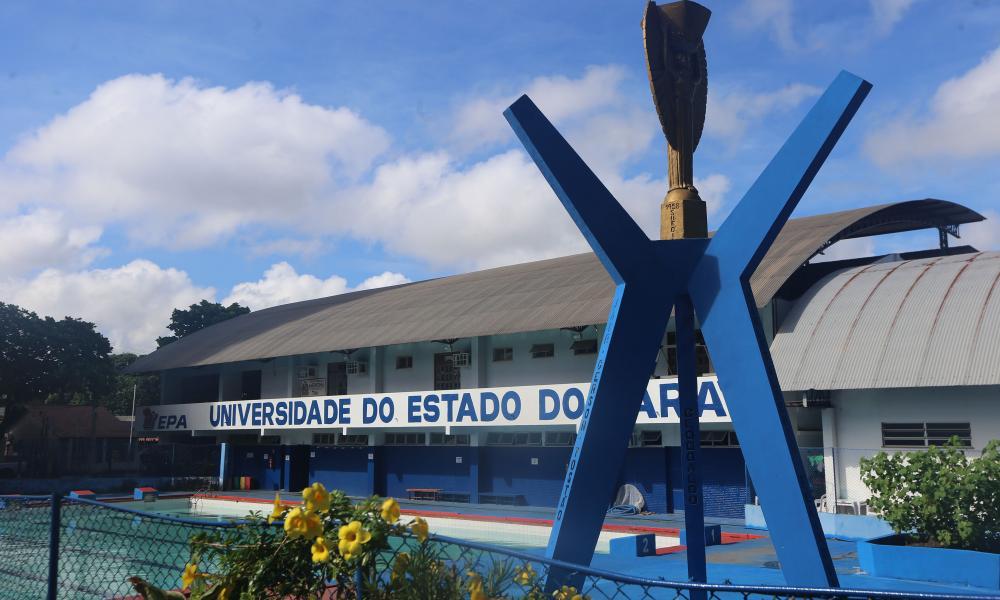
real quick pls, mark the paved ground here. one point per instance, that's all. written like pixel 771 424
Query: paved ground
pixel 746 562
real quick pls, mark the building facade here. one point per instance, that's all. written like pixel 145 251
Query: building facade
pixel 469 388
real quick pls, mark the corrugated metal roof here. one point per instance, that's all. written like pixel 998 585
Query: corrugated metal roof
pixel 914 323
pixel 549 294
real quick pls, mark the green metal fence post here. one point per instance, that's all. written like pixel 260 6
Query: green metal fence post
pixel 54 547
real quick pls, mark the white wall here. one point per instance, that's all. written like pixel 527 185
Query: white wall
pixel 860 413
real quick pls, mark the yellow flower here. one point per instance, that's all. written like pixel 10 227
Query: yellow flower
pixel 476 586
pixel 190 575
pixel 316 497
pixel 568 592
pixel 526 575
pixel 400 565
pixel 352 536
pixel 349 549
pixel 419 528
pixel 390 510
pixel 314 525
pixel 223 594
pixel 295 523
pixel 320 551
pixel 277 511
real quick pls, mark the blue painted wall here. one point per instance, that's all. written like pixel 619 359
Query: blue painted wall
pixel 344 469
pixel 647 469
pixel 265 476
pixel 724 481
pixel 509 471
pixel 405 467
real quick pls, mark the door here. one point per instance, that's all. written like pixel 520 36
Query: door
pixel 298 468
pixel 446 375
pixel 250 387
pixel 336 378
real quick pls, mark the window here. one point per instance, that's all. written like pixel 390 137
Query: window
pixel 405 439
pixel 719 439
pixel 503 354
pixel 646 439
pixel 703 362
pixel 584 347
pixel 404 362
pixel 503 438
pixel 896 435
pixel 324 439
pixel 357 439
pixel 441 439
pixel 560 438
pixel 543 350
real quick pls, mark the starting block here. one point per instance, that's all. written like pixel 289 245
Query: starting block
pixel 146 494
pixel 86 494
pixel 634 545
pixel 713 535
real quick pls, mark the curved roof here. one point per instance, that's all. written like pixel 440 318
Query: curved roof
pixel 914 323
pixel 548 294
pixel 803 238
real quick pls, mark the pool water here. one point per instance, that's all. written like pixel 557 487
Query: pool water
pixel 510 535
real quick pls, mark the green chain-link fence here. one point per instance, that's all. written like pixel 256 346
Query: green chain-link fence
pixel 88 550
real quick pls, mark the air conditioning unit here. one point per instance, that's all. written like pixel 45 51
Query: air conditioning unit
pixel 356 367
pixel 460 359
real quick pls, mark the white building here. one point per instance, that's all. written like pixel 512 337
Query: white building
pixel 468 387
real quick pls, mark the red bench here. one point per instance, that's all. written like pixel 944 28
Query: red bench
pixel 424 493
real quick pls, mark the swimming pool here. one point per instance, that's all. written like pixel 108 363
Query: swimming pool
pixel 500 532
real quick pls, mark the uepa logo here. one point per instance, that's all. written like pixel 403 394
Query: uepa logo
pixel 152 420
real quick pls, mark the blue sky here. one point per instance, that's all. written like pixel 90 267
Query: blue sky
pixel 155 153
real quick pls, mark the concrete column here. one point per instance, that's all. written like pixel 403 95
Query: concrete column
pixel 223 459
pixel 373 456
pixel 480 350
pixel 829 417
pixel 376 369
pixel 474 455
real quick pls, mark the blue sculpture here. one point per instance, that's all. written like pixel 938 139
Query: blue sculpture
pixel 651 278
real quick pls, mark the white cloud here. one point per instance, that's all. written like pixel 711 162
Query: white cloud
pixel 184 165
pixel 731 112
pixel 42 239
pixel 773 15
pixel 984 235
pixel 480 122
pixel 963 122
pixel 844 249
pixel 130 304
pixel 887 13
pixel 498 211
pixel 281 284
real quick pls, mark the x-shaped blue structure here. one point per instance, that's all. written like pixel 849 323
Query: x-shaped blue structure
pixel 651 278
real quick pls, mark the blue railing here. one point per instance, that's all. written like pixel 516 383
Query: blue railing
pixel 59 548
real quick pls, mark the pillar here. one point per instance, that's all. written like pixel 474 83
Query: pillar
pixel 829 417
pixel 223 457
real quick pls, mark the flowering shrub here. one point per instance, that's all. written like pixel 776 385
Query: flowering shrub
pixel 324 543
pixel 939 496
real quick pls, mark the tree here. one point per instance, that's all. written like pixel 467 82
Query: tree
pixel 147 387
pixel 45 360
pixel 939 496
pixel 23 355
pixel 198 316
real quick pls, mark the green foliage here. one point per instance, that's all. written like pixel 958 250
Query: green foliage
pixel 298 553
pixel 147 387
pixel 45 360
pixel 197 317
pixel 940 496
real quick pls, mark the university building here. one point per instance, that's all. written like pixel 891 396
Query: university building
pixel 469 388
